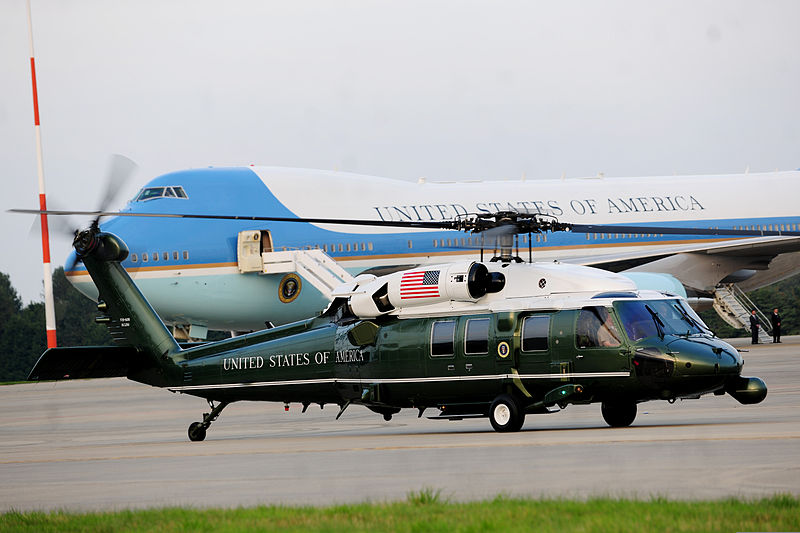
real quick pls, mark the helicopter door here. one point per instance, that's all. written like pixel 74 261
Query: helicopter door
pixel 534 358
pixel 441 364
pixel 474 342
pixel 599 344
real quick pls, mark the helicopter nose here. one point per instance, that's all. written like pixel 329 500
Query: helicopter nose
pixel 703 360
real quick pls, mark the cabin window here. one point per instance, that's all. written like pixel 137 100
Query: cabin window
pixel 443 338
pixel 535 330
pixel 155 256
pixel 165 256
pixel 186 254
pixel 596 329
pixel 476 336
pixel 175 255
pixel 409 245
pixel 145 257
pixel 134 258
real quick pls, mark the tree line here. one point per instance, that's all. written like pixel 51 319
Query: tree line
pixel 23 338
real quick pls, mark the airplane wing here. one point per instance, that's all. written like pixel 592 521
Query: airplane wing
pixel 760 249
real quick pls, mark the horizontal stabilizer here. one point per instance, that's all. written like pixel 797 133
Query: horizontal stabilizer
pixel 82 362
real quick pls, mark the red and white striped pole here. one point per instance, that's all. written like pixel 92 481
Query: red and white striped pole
pixel 49 303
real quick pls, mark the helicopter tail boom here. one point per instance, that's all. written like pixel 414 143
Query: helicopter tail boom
pixel 146 350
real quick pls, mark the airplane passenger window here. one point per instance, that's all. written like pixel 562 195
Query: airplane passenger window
pixel 134 258
pixel 185 254
pixel 476 336
pixel 175 256
pixel 155 256
pixel 165 256
pixel 534 332
pixel 443 338
pixel 145 257
pixel 369 246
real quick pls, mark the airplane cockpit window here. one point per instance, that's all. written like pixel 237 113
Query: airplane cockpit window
pixel 151 193
pixel 476 336
pixel 535 330
pixel 595 329
pixel 443 338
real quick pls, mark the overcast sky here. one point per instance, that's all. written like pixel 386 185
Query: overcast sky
pixel 442 89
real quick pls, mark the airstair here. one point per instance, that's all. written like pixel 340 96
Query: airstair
pixel 314 265
pixel 734 307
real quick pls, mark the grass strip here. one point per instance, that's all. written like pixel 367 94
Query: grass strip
pixel 428 511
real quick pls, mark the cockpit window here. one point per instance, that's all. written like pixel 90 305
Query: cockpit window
pixel 151 193
pixel 643 319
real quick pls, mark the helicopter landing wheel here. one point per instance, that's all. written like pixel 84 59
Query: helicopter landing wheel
pixel 506 414
pixel 197 431
pixel 618 415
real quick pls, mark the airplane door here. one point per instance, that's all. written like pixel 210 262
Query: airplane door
pixel 250 245
pixel 599 344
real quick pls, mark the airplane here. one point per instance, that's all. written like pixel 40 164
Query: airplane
pixel 498 339
pixel 277 272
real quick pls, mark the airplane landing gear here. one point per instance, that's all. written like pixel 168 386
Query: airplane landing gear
pixel 197 430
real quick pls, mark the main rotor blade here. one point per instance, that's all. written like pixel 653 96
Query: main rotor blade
pixel 672 230
pixel 522 226
pixel 343 221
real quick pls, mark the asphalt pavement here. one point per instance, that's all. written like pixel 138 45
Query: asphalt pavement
pixel 113 444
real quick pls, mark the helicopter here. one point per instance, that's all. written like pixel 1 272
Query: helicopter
pixel 498 339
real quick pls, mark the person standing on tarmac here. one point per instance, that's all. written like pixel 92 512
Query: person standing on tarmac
pixel 754 326
pixel 776 325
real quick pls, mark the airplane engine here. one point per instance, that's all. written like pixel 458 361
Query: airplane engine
pixel 466 281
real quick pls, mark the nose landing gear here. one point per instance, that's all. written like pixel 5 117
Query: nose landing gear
pixel 197 430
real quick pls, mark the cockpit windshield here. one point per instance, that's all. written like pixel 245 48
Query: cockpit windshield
pixel 647 318
pixel 151 193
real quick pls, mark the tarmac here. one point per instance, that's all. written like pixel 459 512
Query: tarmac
pixel 113 444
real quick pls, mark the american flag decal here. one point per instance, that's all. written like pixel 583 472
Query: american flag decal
pixel 421 284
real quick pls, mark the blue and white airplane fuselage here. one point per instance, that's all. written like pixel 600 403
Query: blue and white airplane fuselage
pixel 190 269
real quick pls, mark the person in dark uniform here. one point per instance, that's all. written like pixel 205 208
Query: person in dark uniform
pixel 754 326
pixel 776 325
